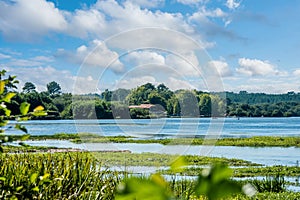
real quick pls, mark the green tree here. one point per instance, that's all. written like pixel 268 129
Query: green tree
pixel 188 104
pixel 155 98
pixel 28 87
pixel 53 88
pixel 106 95
pixel 205 105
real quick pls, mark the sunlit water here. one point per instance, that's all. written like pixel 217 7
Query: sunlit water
pixel 169 127
pixel 176 127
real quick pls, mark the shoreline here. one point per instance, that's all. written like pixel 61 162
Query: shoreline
pixel 255 141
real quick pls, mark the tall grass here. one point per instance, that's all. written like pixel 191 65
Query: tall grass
pixel 55 176
pixel 270 184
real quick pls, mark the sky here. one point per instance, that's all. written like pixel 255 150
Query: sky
pixel 209 45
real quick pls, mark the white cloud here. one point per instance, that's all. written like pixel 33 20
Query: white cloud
pixel 144 57
pixel 148 3
pixel 23 63
pixel 133 82
pixel 253 67
pixel 43 58
pixel 41 76
pixel 191 2
pixel 222 67
pixel 187 66
pixel 4 56
pixel 96 54
pixel 128 16
pixel 82 23
pixel 24 20
pixel 232 4
pixel 176 84
pixel 296 72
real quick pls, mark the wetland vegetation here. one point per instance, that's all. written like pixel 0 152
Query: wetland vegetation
pixel 256 141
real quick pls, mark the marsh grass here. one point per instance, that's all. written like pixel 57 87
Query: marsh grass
pixel 157 160
pixel 256 141
pixel 248 171
pixel 55 176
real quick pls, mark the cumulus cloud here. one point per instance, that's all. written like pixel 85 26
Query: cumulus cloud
pixel 148 3
pixel 133 82
pixel 255 67
pixel 41 76
pixel 296 72
pixel 187 66
pixel 144 57
pixel 24 20
pixel 232 4
pixel 176 84
pixel 97 54
pixel 83 23
pixel 222 67
pixel 128 16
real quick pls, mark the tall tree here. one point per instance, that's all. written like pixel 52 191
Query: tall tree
pixel 28 87
pixel 53 88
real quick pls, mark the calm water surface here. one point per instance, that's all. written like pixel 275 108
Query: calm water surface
pixel 176 127
pixel 169 127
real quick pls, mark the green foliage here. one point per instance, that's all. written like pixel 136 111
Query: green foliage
pixel 181 103
pixel 54 176
pixel 28 87
pixel 215 183
pixel 53 88
pixel 7 84
pixel 270 184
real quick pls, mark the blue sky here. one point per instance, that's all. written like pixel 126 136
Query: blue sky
pixel 88 46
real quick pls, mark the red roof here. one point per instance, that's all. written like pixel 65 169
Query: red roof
pixel 144 106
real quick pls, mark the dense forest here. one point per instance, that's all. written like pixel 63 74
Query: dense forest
pixel 148 101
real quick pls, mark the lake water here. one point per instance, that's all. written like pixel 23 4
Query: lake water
pixel 169 127
pixel 262 155
pixel 177 127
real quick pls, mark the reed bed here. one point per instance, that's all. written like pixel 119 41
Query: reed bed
pixel 55 176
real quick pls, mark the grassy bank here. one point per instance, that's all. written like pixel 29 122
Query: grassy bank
pixel 77 175
pixel 257 141
pixel 157 160
pixel 247 171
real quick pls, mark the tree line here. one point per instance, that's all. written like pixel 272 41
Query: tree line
pixel 168 103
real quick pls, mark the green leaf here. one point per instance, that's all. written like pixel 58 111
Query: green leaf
pixel 36 189
pixel 8 97
pixel 21 128
pixel 24 108
pixel 33 177
pixel 2 178
pixel 7 111
pixel 38 108
pixel 142 188
pixel 159 180
pixel 2 86
pixel 39 113
pixel 178 164
pixel 19 188
pixel 25 137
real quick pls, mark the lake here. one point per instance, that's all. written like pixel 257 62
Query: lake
pixel 169 127
pixel 177 127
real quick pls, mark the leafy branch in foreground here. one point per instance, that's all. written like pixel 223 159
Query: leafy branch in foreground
pixel 7 86
pixel 213 183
